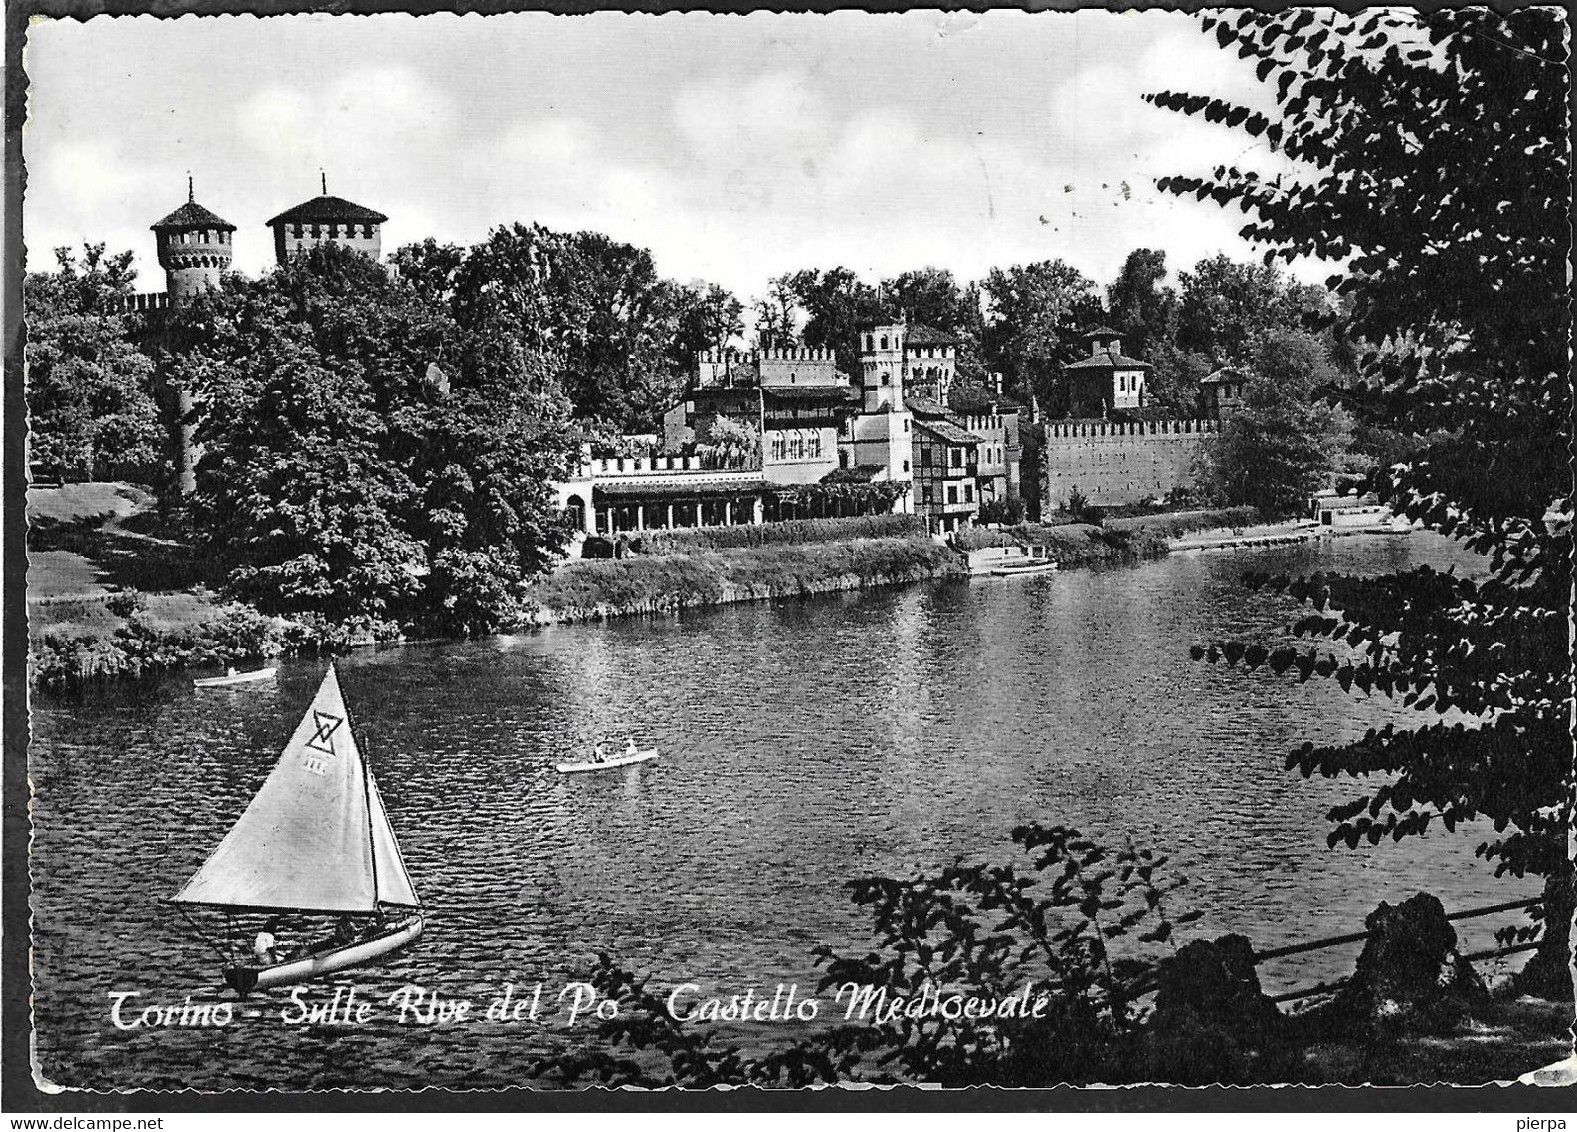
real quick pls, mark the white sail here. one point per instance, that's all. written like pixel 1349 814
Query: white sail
pixel 309 840
pixel 394 883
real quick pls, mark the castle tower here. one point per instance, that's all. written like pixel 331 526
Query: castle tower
pixel 194 246
pixel 883 367
pixel 327 220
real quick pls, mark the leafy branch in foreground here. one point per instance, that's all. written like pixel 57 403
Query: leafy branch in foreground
pixel 1038 935
pixel 1434 157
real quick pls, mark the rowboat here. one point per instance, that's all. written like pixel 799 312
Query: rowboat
pixel 1015 566
pixel 314 841
pixel 233 677
pixel 609 763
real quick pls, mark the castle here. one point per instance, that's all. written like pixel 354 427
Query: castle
pixel 818 427
pixel 195 247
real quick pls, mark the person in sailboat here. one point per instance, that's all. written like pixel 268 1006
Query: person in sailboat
pixel 265 948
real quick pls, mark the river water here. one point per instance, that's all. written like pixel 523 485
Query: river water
pixel 803 743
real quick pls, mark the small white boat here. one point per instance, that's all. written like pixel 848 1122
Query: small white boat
pixel 1015 566
pixel 610 762
pixel 233 677
pixel 244 979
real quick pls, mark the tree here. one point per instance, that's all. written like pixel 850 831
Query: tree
pixel 1037 313
pixel 931 297
pixel 339 479
pixel 596 307
pixel 775 315
pixel 1281 446
pixel 1139 306
pixel 836 305
pixel 1438 167
pixel 709 318
pixel 1224 306
pixel 91 409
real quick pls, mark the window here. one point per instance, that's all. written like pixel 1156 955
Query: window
pixel 957 457
pixel 906 424
pixel 779 448
pixel 793 378
pixel 813 447
pixel 925 456
pixel 885 378
pixel 333 231
pixel 952 493
pixel 797 448
pixel 925 495
pixel 870 342
pixel 906 465
pixel 295 230
pixel 969 493
pixel 884 341
pixel 317 230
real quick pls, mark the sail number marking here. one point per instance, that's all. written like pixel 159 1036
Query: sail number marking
pixel 321 741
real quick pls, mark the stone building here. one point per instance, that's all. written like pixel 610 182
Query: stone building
pixel 1106 380
pixel 194 247
pixel 327 220
pixel 1221 392
pixel 917 359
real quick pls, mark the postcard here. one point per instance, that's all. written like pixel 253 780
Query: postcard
pixel 788 551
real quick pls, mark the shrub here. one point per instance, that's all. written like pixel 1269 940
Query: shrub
pixel 1046 927
pixel 1004 511
pixel 790 532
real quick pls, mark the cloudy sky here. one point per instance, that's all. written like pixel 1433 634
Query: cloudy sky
pixel 735 148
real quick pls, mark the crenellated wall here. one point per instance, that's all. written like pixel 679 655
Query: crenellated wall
pixel 1116 462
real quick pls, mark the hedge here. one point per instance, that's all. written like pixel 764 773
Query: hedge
pixel 791 532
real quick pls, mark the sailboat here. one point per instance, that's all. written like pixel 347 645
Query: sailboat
pixel 314 840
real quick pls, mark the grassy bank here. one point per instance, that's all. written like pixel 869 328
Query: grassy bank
pixel 596 589
pixel 113 593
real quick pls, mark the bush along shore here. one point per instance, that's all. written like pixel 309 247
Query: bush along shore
pixel 76 643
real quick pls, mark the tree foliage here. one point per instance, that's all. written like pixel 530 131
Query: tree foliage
pixel 1282 445
pixel 345 474
pixel 1435 160
pixel 1037 313
pixel 90 402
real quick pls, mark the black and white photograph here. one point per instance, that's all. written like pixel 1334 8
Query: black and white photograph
pixel 590 552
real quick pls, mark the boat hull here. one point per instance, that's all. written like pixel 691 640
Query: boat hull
pixel 245 980
pixel 238 678
pixel 1039 567
pixel 617 761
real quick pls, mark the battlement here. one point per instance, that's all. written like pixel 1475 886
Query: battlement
pixel 747 357
pixel 658 464
pixel 991 423
pixel 1098 427
pixel 157 301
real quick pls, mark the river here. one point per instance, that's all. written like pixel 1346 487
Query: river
pixel 803 743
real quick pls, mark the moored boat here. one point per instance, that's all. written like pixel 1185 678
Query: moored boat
pixel 609 763
pixel 1014 566
pixel 234 677
pixel 314 841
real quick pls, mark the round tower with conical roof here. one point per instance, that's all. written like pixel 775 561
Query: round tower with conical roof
pixel 195 246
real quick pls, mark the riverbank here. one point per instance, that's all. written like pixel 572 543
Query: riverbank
pixel 96 553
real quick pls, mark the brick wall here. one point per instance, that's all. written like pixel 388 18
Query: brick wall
pixel 1113 463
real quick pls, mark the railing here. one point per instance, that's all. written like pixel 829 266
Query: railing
pixel 1358 937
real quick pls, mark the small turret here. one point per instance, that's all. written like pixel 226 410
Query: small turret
pixel 194 246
